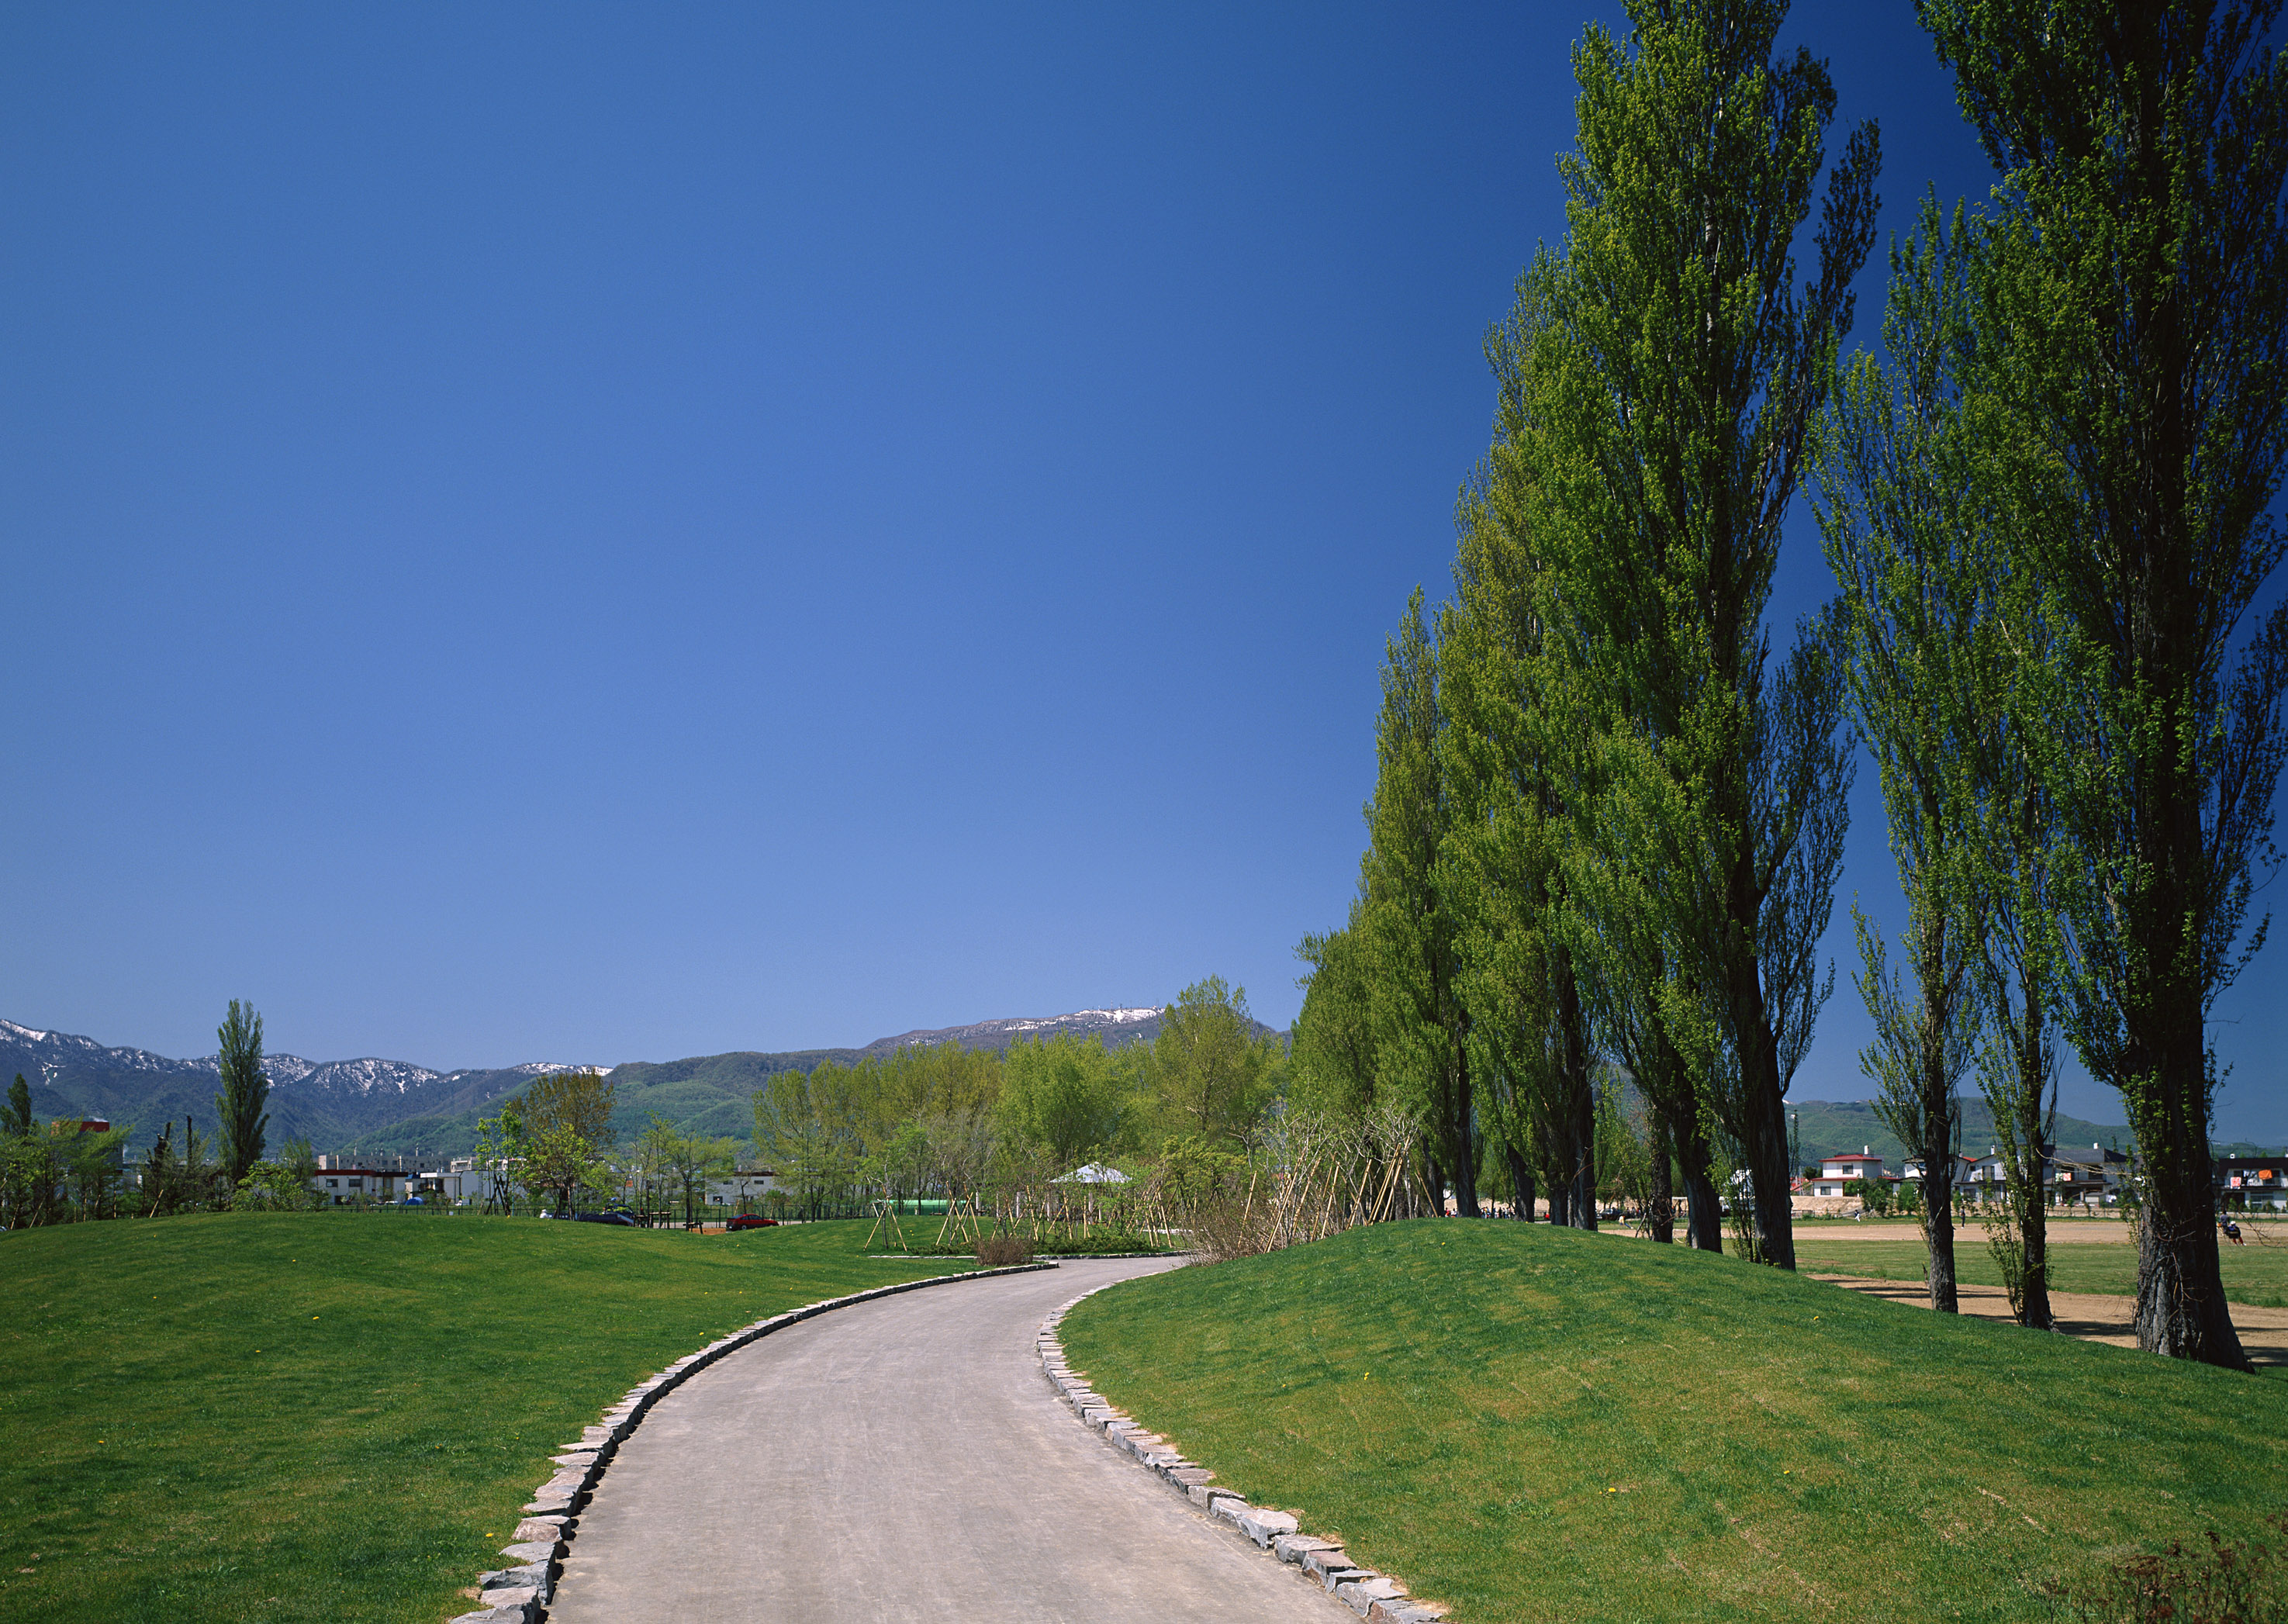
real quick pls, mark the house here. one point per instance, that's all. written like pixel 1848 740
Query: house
pixel 2247 1184
pixel 1836 1172
pixel 1987 1176
pixel 2085 1178
pixel 2071 1177
pixel 1911 1170
pixel 345 1187
pixel 742 1187
pixel 447 1187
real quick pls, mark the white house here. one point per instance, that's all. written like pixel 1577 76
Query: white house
pixel 344 1186
pixel 1837 1172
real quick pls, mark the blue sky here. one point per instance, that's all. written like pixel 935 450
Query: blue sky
pixel 542 532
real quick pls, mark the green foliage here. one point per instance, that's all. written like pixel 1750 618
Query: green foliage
pixel 920 1118
pixel 1332 1063
pixel 499 1155
pixel 244 1088
pixel 1680 370
pixel 1519 782
pixel 273 1186
pixel 1068 1094
pixel 565 1121
pixel 579 1102
pixel 683 1162
pixel 1210 1077
pixel 180 1176
pixel 1422 1057
pixel 1873 1193
pixel 2135 383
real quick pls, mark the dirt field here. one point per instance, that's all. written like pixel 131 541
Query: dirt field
pixel 2263 1331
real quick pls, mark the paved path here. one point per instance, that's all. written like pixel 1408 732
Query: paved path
pixel 903 1459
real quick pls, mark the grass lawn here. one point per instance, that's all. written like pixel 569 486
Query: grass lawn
pixel 1531 1422
pixel 2256 1274
pixel 255 1416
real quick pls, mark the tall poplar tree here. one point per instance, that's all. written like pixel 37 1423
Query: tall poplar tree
pixel 1422 1040
pixel 1683 371
pixel 2138 268
pixel 245 1087
pixel 1902 537
pixel 1515 772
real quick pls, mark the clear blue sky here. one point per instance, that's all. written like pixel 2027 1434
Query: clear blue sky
pixel 559 532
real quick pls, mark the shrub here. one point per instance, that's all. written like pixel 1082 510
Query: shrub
pixel 2222 1584
pixel 1001 1251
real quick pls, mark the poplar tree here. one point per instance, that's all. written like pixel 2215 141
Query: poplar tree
pixel 1681 376
pixel 1902 537
pixel 2137 268
pixel 1422 1040
pixel 244 1090
pixel 1334 1040
pixel 1514 780
pixel 1920 484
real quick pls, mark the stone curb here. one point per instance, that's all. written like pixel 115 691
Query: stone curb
pixel 1376 1597
pixel 520 1594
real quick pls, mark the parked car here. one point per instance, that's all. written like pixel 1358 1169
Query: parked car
pixel 619 1215
pixel 748 1220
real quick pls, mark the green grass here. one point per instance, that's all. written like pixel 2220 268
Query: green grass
pixel 2256 1274
pixel 1531 1422
pixel 266 1416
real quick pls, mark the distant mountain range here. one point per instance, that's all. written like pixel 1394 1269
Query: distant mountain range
pixel 389 1107
pixel 1829 1127
pixel 392 1107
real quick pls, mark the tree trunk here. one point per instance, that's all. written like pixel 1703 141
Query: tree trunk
pixel 1762 1127
pixel 1561 1210
pixel 1466 1153
pixel 1938 1226
pixel 1434 1180
pixel 1520 1184
pixel 1580 1094
pixel 2181 1303
pixel 1660 1213
pixel 2034 1219
pixel 1582 1203
pixel 1703 1223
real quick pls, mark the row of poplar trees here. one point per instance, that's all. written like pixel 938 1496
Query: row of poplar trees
pixel 1611 805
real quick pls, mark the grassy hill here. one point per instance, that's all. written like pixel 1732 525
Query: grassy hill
pixel 1531 1422
pixel 244 1416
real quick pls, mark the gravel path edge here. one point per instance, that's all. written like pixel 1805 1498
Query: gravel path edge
pixel 1377 1597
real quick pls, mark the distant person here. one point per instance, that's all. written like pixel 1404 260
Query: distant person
pixel 2232 1232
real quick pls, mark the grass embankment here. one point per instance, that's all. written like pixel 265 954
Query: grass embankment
pixel 2255 1273
pixel 254 1416
pixel 1530 1423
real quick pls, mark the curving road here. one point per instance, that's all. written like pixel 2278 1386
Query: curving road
pixel 903 1460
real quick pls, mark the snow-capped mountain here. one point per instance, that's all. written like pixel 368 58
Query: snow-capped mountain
pixel 325 1101
pixel 1116 1027
pixel 383 1105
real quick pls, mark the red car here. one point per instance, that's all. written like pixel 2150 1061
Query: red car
pixel 748 1220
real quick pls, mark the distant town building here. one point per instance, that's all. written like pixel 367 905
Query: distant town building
pixel 1835 1172
pixel 2252 1183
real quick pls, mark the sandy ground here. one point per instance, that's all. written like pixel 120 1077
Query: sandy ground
pixel 2263 1331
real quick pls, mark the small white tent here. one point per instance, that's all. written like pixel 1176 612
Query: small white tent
pixel 1095 1173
